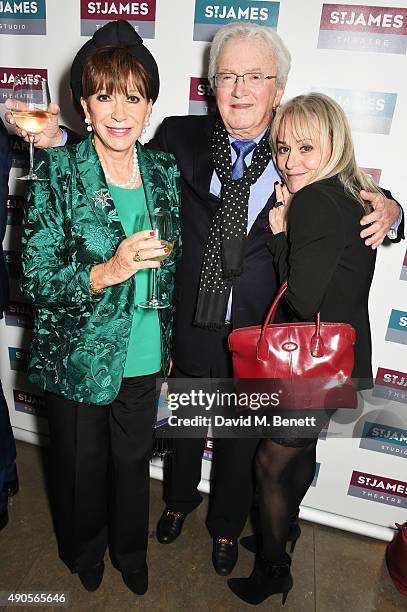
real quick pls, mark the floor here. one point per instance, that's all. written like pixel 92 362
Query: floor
pixel 334 571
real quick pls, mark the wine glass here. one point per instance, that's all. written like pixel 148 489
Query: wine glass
pixel 160 221
pixel 30 103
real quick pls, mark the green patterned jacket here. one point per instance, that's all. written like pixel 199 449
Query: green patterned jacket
pixel 80 340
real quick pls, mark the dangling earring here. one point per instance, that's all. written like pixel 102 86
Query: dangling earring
pixel 89 124
pixel 146 125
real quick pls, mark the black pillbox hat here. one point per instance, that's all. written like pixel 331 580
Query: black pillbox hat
pixel 118 34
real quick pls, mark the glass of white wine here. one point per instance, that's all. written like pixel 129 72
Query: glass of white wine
pixel 160 220
pixel 30 110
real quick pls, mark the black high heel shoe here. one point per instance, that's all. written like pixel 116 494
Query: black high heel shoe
pixel 253 542
pixel 266 579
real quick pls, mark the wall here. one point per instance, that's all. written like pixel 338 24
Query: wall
pixel 355 53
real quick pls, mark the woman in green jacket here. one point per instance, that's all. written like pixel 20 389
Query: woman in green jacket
pixel 85 267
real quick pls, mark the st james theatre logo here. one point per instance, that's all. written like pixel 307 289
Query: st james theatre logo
pixel 316 474
pixel 397 329
pixel 19 149
pixel 384 439
pixel 391 385
pixel 378 489
pixel 20 314
pixel 13 263
pixel 141 15
pixel 8 75
pixel 403 275
pixel 210 16
pixel 18 358
pixel 29 403
pixel 208 450
pixel 201 98
pixel 367 111
pixel 354 27
pixel 15 208
pixel 23 17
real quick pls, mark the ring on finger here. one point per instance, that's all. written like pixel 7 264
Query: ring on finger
pixel 136 257
pixel 279 203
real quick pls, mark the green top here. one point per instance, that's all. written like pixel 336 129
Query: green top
pixel 144 348
pixel 79 346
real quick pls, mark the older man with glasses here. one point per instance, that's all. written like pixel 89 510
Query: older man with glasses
pixel 226 277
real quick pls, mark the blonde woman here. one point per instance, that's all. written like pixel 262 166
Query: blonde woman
pixel 316 247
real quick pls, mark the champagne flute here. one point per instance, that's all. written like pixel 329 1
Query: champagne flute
pixel 30 111
pixel 160 221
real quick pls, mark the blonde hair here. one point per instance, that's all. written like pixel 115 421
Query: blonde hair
pixel 324 117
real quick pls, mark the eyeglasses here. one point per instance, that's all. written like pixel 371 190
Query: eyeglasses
pixel 253 80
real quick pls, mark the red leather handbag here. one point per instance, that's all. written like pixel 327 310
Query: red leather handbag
pixel 315 359
pixel 396 558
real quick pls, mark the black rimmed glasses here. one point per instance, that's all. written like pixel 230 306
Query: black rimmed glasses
pixel 253 80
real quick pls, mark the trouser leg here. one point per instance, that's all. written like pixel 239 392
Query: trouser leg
pixel 182 468
pixel 7 442
pixel 232 489
pixel 79 467
pixel 232 474
pixel 131 423
pixel 3 496
pixel 182 474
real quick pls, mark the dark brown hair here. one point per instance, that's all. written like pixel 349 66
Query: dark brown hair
pixel 114 69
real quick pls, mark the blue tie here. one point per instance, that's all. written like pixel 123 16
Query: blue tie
pixel 242 148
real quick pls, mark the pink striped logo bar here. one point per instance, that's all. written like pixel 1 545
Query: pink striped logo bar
pixel 200 96
pixel 356 27
pixel 378 489
pixel 29 403
pixel 403 275
pixel 391 385
pixel 141 15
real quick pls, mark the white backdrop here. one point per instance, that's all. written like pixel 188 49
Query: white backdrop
pixel 357 54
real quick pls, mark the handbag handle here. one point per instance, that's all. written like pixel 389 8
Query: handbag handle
pixel 317 344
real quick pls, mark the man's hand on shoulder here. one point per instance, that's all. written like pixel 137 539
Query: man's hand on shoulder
pixel 385 214
pixel 52 136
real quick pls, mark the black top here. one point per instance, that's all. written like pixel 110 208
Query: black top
pixel 5 164
pixel 327 265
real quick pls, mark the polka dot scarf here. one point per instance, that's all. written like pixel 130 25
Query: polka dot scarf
pixel 224 253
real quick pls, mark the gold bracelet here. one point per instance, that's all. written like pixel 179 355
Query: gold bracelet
pixel 93 289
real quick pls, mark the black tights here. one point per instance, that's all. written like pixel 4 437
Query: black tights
pixel 284 475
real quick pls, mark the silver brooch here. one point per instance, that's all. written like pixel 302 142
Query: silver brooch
pixel 102 197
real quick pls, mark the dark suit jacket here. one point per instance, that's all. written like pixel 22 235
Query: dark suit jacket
pixel 328 267
pixel 5 164
pixel 189 140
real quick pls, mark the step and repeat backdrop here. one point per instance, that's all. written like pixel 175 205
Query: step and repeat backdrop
pixel 355 53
